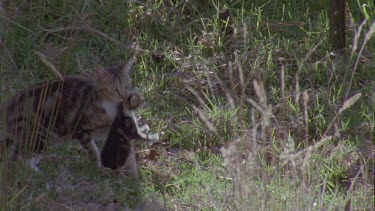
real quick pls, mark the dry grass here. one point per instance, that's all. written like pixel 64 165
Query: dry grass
pixel 254 111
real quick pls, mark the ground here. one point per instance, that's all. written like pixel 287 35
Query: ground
pixel 254 109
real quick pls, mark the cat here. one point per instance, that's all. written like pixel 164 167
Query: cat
pixel 73 108
pixel 118 150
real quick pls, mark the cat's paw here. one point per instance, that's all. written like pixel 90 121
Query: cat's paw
pixel 153 137
pixel 99 164
pixel 144 129
pixel 33 163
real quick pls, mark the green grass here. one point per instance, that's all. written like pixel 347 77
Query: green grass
pixel 254 113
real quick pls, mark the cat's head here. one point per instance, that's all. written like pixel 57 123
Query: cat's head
pixel 114 82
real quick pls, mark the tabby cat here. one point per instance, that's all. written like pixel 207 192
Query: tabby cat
pixel 72 108
pixel 118 150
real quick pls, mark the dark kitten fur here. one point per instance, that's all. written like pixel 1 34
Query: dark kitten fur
pixel 118 150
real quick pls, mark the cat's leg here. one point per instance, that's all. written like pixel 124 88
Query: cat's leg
pixel 131 163
pixel 143 133
pixel 131 115
pixel 92 151
pixel 143 129
pixel 39 147
pixel 33 162
pixel 31 150
pixel 88 145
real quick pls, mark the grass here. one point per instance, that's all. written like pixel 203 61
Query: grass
pixel 254 110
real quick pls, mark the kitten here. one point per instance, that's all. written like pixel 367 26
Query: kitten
pixel 118 150
pixel 74 108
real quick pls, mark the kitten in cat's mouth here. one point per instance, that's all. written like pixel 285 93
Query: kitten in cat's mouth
pixel 119 149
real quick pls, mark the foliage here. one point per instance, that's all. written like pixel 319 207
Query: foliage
pixel 254 110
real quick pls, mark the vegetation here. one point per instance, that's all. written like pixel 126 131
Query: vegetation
pixel 254 110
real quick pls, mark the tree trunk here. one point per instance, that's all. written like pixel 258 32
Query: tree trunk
pixel 337 24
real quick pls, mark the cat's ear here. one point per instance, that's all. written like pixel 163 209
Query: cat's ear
pixel 127 67
pixel 135 100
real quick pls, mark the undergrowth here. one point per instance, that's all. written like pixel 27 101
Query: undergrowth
pixel 254 110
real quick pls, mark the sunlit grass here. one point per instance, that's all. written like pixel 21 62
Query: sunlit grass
pixel 253 109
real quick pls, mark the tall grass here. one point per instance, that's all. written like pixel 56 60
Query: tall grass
pixel 254 110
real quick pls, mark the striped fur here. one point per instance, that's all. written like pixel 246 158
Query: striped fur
pixel 73 109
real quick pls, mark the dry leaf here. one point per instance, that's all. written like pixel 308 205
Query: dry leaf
pixel 153 154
